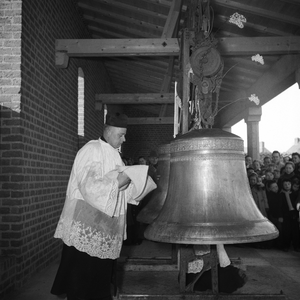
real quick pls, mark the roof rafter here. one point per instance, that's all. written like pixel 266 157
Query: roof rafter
pixel 90 10
pixel 259 11
pixel 126 7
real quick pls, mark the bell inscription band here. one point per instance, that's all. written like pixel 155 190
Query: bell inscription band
pixel 209 200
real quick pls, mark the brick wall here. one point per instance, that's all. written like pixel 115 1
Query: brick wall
pixel 11 163
pixel 140 140
pixel 39 140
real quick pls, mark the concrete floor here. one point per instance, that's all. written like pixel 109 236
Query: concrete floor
pixel 269 272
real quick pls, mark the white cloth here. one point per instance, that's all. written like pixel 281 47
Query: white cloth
pixel 93 219
pixel 141 181
pixel 196 265
pixel 222 255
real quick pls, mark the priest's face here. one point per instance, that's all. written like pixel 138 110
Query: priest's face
pixel 115 136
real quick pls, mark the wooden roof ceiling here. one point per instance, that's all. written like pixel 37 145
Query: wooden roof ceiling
pixel 272 29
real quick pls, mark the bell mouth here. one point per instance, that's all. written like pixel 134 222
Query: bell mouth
pixel 210 234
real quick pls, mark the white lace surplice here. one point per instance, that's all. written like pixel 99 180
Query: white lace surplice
pixel 101 231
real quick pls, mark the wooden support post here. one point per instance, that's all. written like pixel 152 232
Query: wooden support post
pixel 182 268
pixel 252 120
pixel 174 254
pixel 185 80
pixel 214 269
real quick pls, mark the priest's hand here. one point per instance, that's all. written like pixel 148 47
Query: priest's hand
pixel 123 181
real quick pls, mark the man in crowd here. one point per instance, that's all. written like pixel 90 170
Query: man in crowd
pixel 276 159
pixel 296 161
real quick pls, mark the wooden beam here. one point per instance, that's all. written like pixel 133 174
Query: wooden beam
pixel 156 47
pixel 274 81
pixel 185 81
pixel 170 28
pixel 170 47
pixel 153 121
pixel 166 85
pixel 135 98
pixel 118 47
pixel 61 60
pixel 172 19
pixel 262 45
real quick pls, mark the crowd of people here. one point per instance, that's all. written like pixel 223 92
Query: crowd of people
pixel 275 185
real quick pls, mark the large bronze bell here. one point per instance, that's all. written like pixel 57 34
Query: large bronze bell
pixel 209 200
pixel 158 197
